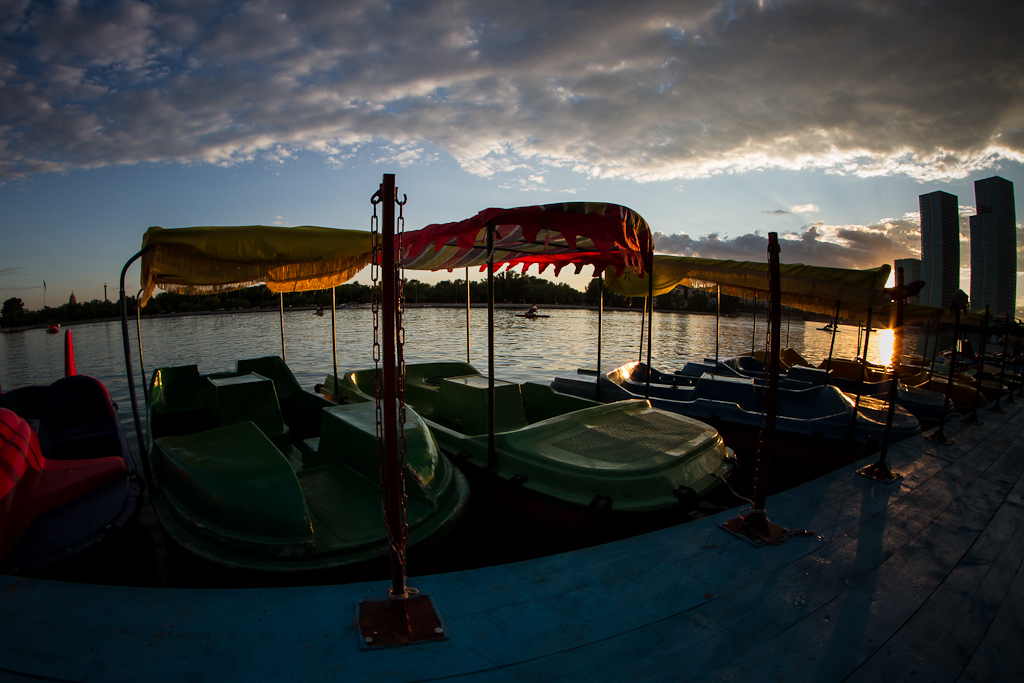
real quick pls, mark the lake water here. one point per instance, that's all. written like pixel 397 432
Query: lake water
pixel 525 350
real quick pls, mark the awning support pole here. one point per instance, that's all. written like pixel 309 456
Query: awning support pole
pixel 650 322
pixel 600 333
pixel 1002 368
pixel 334 335
pixel 138 336
pixel 718 318
pixel 492 453
pixel 880 470
pixel 863 371
pixel 284 355
pixel 139 436
pixel 939 435
pixel 468 306
pixel 973 417
pixel 832 344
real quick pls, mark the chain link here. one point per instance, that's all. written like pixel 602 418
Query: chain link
pixel 400 357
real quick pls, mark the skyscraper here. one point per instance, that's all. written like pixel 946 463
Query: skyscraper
pixel 940 247
pixel 911 269
pixel 994 247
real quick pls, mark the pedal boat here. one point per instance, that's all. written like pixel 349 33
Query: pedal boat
pixel 255 473
pixel 573 460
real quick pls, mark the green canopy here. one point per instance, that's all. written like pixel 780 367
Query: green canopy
pixel 809 288
pixel 208 260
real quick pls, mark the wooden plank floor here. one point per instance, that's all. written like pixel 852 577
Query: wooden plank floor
pixel 919 580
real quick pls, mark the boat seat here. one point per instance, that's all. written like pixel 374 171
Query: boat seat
pixel 462 403
pixel 31 484
pixel 233 483
pixel 728 389
pixel 273 368
pixel 178 389
pixel 248 398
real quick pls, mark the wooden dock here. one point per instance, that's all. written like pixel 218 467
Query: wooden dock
pixel 919 580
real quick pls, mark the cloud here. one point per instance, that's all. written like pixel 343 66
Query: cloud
pixel 850 246
pixel 645 90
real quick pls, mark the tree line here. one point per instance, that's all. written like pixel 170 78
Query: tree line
pixel 510 287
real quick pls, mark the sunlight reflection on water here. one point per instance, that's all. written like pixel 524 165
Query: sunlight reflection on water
pixel 525 350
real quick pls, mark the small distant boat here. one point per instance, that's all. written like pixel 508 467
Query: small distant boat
pixel 531 315
pixel 320 311
pixel 830 328
pixel 52 329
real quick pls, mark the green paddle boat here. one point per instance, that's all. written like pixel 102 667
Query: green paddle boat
pixel 559 453
pixel 255 473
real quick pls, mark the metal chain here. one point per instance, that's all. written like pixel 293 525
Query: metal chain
pixel 375 242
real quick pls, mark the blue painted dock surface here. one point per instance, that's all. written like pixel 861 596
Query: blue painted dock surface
pixel 916 580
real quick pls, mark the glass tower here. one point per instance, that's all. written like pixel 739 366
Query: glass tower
pixel 940 248
pixel 994 247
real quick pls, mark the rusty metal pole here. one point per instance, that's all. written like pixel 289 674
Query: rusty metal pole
pixel 832 344
pixel 492 453
pixel 755 524
pixel 395 481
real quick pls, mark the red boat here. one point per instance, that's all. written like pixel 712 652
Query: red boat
pixel 67 479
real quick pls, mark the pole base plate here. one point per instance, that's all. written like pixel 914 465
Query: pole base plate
pixel 879 471
pixel 399 621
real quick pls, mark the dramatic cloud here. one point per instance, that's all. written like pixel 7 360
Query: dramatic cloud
pixel 641 90
pixel 818 244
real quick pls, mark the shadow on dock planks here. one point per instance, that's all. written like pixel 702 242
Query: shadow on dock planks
pixel 915 580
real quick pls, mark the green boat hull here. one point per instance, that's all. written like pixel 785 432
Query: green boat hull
pixel 623 458
pixel 253 473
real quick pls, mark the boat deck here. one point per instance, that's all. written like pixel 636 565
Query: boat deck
pixel 916 580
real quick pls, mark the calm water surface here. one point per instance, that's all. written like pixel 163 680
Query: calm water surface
pixel 525 350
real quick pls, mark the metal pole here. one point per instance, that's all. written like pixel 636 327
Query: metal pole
pixel 881 469
pixel 138 336
pixel 600 332
pixel 1002 369
pixel 718 318
pixel 284 354
pixel 973 417
pixel 766 445
pixel 643 318
pixel 789 323
pixel 334 336
pixel 832 344
pixel 139 438
pixel 468 305
pixel 650 322
pixel 753 335
pixel 492 453
pixel 394 476
pixel 939 435
pixel 863 369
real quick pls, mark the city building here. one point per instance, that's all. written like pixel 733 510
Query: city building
pixel 994 247
pixel 940 248
pixel 911 269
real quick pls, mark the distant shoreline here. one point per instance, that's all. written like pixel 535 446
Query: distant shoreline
pixel 245 311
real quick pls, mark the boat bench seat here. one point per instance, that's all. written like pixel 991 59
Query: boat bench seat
pixel 234 484
pixel 248 398
pixel 729 389
pixel 462 403
pixel 348 433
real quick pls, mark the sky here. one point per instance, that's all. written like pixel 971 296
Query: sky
pixel 717 121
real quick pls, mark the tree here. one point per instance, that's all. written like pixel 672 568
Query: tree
pixel 13 307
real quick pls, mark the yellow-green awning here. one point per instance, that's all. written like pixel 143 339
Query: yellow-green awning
pixel 208 260
pixel 810 288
